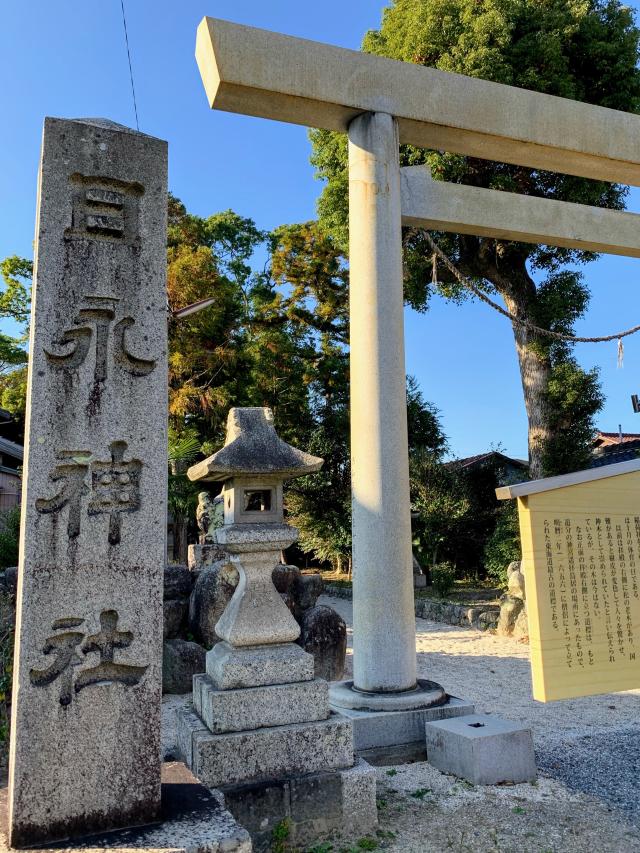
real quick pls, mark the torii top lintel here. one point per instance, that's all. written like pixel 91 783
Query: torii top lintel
pixel 260 73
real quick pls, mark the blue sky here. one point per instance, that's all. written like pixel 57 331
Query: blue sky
pixel 68 59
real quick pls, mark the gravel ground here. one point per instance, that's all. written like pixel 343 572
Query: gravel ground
pixel 587 798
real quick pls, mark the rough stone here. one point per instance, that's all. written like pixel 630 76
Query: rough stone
pixel 259 707
pixel 484 750
pixel 231 668
pixel 11 579
pixel 181 660
pixel 284 578
pixel 323 633
pixel 510 609
pixel 521 626
pixel 85 754
pixel 178 582
pixel 263 754
pixel 515 580
pixel 212 592
pixel 381 729
pixel 306 591
pixel 174 617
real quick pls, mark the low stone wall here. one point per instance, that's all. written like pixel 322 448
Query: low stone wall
pixel 483 617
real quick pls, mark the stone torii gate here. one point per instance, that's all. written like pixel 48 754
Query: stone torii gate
pixel 381 103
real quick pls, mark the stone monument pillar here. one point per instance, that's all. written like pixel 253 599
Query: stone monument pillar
pixel 258 713
pixel 85 741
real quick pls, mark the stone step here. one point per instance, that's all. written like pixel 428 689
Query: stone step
pixel 261 754
pixel 257 666
pixel 259 707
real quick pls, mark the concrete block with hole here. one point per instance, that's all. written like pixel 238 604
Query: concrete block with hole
pixel 482 749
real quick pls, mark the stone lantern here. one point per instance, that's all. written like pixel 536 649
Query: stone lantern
pixel 260 718
pixel 253 464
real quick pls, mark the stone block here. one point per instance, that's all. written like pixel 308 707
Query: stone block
pixel 260 707
pixel 483 749
pixel 85 752
pixel 313 805
pixel 323 633
pixel 256 666
pixel 188 724
pixel 419 581
pixel 263 754
pixel 181 660
pixel 374 729
pixel 201 556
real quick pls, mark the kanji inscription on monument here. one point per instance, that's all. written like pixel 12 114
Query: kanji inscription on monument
pixel 85 751
pixel 581 551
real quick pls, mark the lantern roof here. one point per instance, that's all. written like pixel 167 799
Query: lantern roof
pixel 253 447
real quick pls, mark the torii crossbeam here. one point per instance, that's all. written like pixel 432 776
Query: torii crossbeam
pixel 380 103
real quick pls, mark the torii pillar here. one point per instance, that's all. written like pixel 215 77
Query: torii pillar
pixel 380 103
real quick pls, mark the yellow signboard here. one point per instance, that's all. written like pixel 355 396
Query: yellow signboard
pixel 581 557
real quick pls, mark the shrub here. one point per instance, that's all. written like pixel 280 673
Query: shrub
pixel 504 544
pixel 443 576
pixel 9 537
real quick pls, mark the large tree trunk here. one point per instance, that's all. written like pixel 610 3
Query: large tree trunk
pixel 534 373
pixel 507 272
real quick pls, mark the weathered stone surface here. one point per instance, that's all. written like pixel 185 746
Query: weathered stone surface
pixel 201 556
pixel 253 447
pixel 313 805
pixel 521 626
pixel 174 617
pixel 285 577
pixel 86 716
pixel 259 707
pixel 483 749
pixel 263 754
pixel 181 660
pixel 510 609
pixel 515 580
pixel 324 635
pixel 306 590
pixel 11 579
pixel 231 668
pixel 178 582
pixel 212 592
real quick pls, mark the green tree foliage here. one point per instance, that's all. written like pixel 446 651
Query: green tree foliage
pixel 275 336
pixel 15 305
pixel 503 546
pixel 9 537
pixel 583 49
